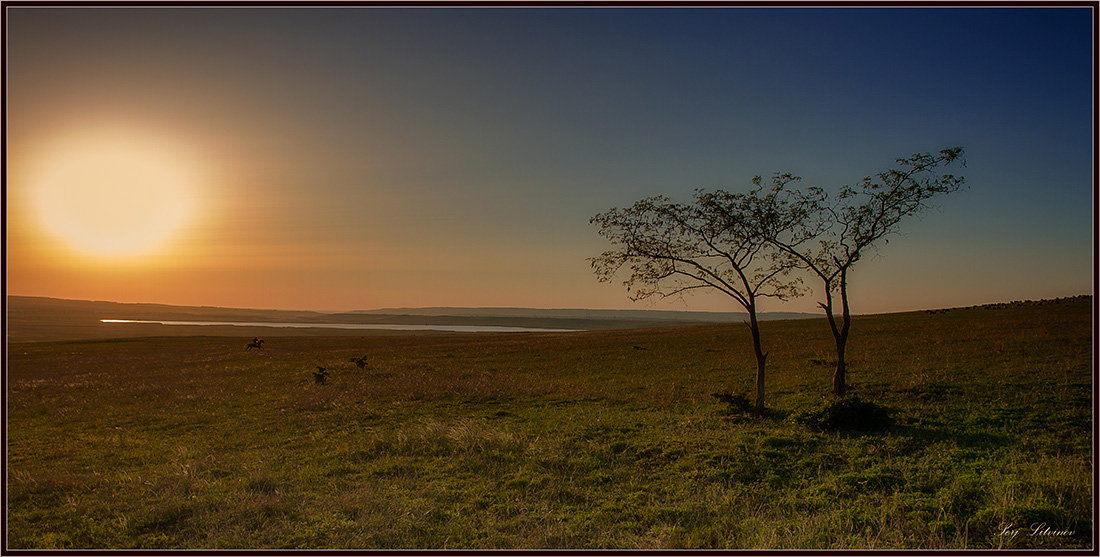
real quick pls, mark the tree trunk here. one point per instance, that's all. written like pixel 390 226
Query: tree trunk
pixel 840 332
pixel 841 337
pixel 838 376
pixel 761 356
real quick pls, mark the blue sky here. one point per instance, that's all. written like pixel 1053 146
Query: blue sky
pixel 413 157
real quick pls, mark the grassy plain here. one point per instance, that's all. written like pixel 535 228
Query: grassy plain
pixel 603 439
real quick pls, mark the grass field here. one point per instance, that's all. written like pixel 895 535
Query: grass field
pixel 604 439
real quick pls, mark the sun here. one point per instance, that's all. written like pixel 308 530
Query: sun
pixel 119 195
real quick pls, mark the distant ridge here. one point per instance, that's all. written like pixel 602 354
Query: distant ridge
pixel 40 319
pixel 577 313
pixel 510 312
pixel 35 319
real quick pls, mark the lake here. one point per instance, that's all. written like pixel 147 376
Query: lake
pixel 372 326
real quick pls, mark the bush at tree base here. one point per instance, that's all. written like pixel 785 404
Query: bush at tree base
pixel 848 414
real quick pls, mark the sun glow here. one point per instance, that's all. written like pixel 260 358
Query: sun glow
pixel 114 194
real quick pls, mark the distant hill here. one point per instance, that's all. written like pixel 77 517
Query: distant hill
pixel 612 314
pixel 43 319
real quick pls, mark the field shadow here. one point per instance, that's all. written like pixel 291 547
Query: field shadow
pixel 965 439
pixel 774 415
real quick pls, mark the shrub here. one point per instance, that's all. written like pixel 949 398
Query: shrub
pixel 736 403
pixel 849 413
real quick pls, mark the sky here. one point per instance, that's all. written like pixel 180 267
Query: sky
pixel 357 157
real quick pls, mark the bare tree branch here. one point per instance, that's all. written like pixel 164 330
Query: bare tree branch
pixel 716 242
pixel 830 235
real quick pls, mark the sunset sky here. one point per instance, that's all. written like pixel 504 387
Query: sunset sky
pixel 357 158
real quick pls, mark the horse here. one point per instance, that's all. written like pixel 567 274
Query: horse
pixel 257 343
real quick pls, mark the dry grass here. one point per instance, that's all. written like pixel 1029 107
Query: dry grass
pixel 556 440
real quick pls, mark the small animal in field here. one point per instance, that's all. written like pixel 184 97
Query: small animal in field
pixel 257 343
pixel 320 375
pixel 360 362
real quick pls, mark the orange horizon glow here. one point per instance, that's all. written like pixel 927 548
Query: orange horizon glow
pixel 228 243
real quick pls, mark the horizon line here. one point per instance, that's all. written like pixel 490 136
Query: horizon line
pixel 1085 295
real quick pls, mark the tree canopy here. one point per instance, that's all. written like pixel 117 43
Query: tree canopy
pixel 715 242
pixel 828 235
pixel 749 245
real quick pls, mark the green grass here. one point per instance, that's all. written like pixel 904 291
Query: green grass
pixel 558 440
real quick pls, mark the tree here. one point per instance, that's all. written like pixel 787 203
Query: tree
pixel 828 236
pixel 713 243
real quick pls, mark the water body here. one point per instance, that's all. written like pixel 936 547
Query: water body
pixel 372 326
